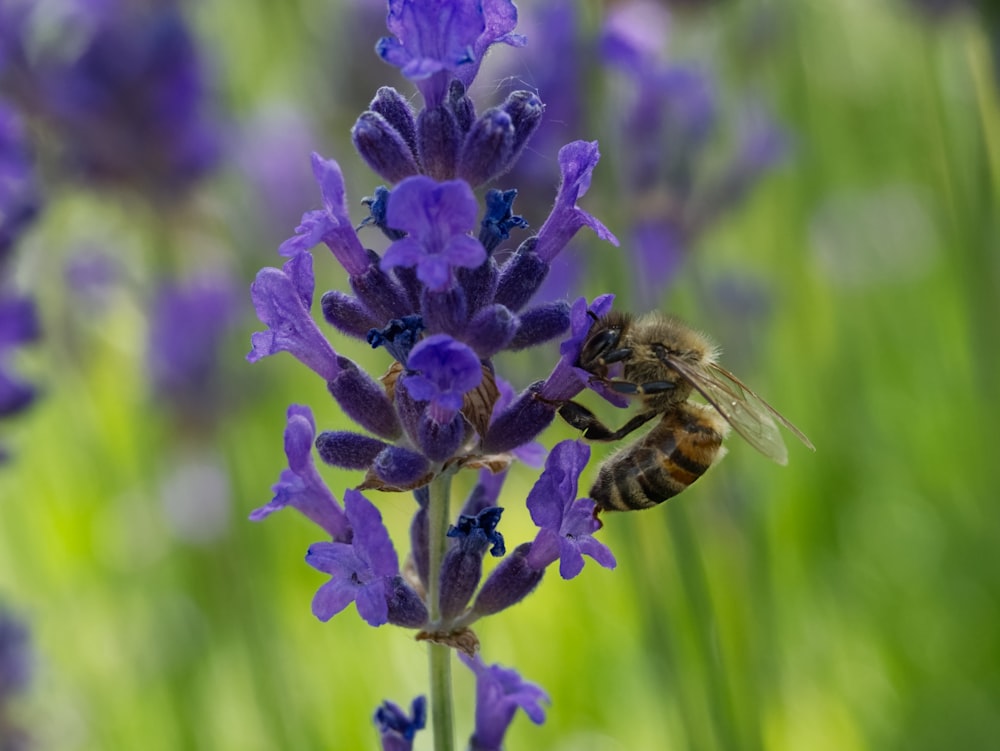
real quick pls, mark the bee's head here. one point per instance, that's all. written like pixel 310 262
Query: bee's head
pixel 603 343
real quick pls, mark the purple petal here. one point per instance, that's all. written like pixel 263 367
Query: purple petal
pixel 598 551
pixel 333 597
pixel 331 186
pixel 578 519
pixel 371 604
pixel 464 251
pixel 544 549
pixel 338 559
pixel 405 252
pixel 300 432
pixel 427 209
pixel 570 558
pixel 435 272
pixel 371 539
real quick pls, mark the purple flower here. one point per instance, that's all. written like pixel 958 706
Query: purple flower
pixel 576 162
pixel 19 198
pixel 132 105
pixel 189 321
pixel 444 370
pixel 437 218
pixel 300 486
pixel 18 325
pixel 397 729
pixel 15 656
pixel 658 248
pixel 567 524
pixel 279 186
pixel 499 693
pixel 567 380
pixel 361 571
pixel 462 566
pixel 437 40
pixel 282 299
pixel 331 224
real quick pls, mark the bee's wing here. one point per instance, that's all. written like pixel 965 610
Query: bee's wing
pixel 751 417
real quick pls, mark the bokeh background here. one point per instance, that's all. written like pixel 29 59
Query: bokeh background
pixel 850 600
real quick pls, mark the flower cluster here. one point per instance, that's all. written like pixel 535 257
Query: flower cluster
pixel 445 297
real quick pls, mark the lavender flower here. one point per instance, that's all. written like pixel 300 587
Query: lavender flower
pixel 577 161
pixel 331 224
pixel 444 299
pixel 131 108
pixel 436 218
pixel 567 524
pixel 283 299
pixel 435 42
pixel 16 666
pixel 500 692
pixel 19 194
pixel 15 656
pixel 397 729
pixel 668 124
pixel 300 486
pixel 189 323
pixel 18 326
pixel 364 571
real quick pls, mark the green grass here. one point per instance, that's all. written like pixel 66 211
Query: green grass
pixel 848 601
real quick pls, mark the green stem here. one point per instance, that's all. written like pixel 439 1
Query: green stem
pixel 440 655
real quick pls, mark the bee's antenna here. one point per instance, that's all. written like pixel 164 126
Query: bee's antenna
pixel 593 315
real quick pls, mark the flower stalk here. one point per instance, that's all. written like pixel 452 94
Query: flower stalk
pixel 439 655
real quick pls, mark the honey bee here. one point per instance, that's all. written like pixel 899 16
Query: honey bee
pixel 664 363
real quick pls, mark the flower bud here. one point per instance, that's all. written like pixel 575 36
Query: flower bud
pixel 521 276
pixel 438 141
pixel 510 582
pixel 340 448
pixel 364 400
pixel 383 148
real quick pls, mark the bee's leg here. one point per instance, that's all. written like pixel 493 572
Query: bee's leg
pixel 593 429
pixel 639 389
pixel 616 355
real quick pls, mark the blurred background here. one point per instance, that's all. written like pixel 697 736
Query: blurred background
pixel 812 183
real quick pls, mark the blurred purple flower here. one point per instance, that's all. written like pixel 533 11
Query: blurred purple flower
pixel 19 194
pixel 360 569
pixel 671 113
pixel 16 661
pixel 500 692
pixel 279 186
pixel 131 108
pixel 567 524
pixel 189 323
pixel 18 326
pixel 300 485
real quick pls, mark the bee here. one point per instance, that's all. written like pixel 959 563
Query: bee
pixel 663 364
